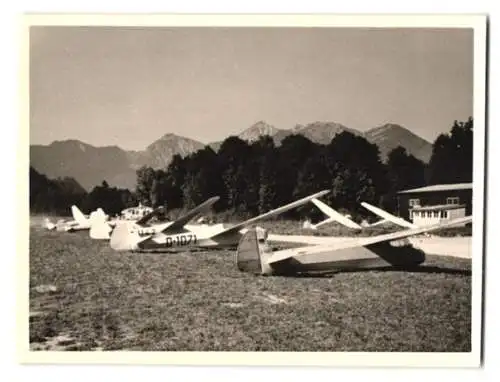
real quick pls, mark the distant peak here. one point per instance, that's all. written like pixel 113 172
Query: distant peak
pixel 262 125
pixel 73 143
pixel 68 141
pixel 169 136
pixel 257 130
pixel 261 122
pixel 387 128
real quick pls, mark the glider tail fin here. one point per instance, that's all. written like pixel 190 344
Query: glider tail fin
pixel 253 252
pixel 99 227
pixel 123 238
pixel 78 215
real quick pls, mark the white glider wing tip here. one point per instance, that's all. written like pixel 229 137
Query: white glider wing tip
pixel 387 216
pixel 334 215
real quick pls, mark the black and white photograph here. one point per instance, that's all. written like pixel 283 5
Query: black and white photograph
pixel 255 184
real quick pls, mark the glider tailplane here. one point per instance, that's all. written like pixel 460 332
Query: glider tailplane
pixel 237 227
pixel 333 216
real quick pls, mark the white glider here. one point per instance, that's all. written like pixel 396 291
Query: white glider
pixel 254 254
pixel 79 222
pixel 179 235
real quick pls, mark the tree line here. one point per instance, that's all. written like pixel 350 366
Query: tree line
pixel 55 196
pixel 252 178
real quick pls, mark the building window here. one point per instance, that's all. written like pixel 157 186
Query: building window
pixel 453 200
pixel 414 202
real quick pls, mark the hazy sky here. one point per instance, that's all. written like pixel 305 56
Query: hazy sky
pixel 128 87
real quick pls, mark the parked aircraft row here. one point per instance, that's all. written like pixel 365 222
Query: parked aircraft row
pixel 254 253
pixel 78 223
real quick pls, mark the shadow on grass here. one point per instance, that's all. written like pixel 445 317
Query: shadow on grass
pixel 421 269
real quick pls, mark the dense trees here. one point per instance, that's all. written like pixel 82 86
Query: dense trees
pixel 451 160
pixel 57 195
pixel 47 195
pixel 404 171
pixel 252 178
pixel 111 199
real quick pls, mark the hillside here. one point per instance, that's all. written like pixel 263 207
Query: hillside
pixel 90 165
pixel 159 153
pixel 253 133
pixel 323 132
pixel 318 132
pixel 257 130
pixel 389 136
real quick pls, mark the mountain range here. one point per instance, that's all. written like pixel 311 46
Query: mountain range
pixel 90 165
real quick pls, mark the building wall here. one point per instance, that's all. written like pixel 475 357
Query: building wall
pixel 421 221
pixel 432 199
pixel 422 218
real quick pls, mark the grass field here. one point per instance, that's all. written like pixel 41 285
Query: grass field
pixel 84 296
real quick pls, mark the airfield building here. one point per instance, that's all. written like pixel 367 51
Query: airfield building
pixel 436 203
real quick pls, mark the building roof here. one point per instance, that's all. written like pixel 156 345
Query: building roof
pixel 440 207
pixel 440 187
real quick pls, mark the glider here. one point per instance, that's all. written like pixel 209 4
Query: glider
pixel 80 221
pixel 254 254
pixel 177 234
pixel 101 226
